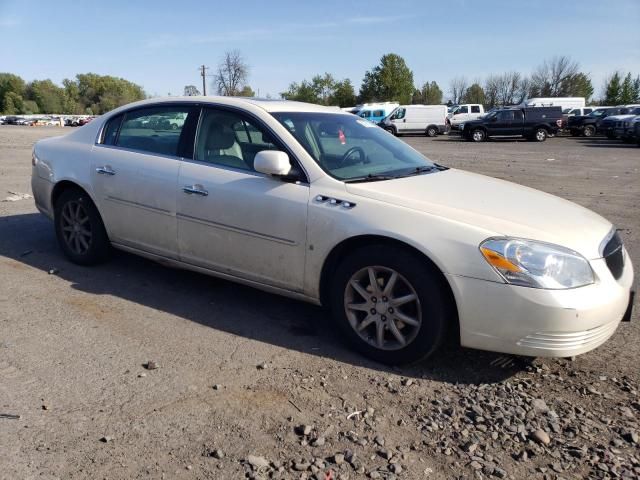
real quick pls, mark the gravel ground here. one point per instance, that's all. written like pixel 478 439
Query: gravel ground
pixel 133 370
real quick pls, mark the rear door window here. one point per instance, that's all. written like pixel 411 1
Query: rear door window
pixel 475 109
pixel 154 129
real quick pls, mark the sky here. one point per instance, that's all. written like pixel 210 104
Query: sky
pixel 160 44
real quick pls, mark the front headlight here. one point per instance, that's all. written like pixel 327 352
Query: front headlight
pixel 536 264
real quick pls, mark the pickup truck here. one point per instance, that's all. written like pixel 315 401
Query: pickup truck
pixel 611 124
pixel 464 113
pixel 534 123
pixel 590 125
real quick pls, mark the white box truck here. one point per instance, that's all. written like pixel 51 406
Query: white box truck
pixel 429 120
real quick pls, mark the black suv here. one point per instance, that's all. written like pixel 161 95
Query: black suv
pixel 590 125
pixel 534 123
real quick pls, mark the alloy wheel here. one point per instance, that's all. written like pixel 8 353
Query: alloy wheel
pixel 76 227
pixel 383 308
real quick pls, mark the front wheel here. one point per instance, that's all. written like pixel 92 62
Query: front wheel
pixel 389 304
pixel 589 131
pixel 79 228
pixel 479 135
pixel 392 131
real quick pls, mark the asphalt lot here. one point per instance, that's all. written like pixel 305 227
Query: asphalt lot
pixel 72 346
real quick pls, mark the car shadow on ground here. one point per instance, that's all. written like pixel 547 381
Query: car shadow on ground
pixel 605 143
pixel 233 308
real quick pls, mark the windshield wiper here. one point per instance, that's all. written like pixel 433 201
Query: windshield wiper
pixel 420 170
pixel 370 178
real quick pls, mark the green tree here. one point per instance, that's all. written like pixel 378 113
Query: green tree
pixel 10 83
pixel 12 103
pixel 49 97
pixel 391 80
pixel 627 95
pixel 429 94
pixel 612 90
pixel 29 107
pixel 343 94
pixel 246 91
pixel 432 94
pixel 474 94
pixel 578 85
pixel 102 93
pixel 636 89
pixel 322 90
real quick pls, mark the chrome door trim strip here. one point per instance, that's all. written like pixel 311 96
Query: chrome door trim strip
pixel 230 228
pixel 129 203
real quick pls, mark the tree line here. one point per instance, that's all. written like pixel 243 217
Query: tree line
pixel 393 80
pixel 87 94
pixel 390 80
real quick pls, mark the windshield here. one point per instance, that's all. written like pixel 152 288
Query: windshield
pixel 597 113
pixel 350 148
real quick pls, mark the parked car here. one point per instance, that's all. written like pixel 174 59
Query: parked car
pixel 590 125
pixel 429 120
pixel 536 123
pixel 323 206
pixel 626 128
pixel 566 103
pixel 463 114
pixel 613 125
pixel 25 121
pixel 84 121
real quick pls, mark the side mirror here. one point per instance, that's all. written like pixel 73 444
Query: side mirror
pixel 272 162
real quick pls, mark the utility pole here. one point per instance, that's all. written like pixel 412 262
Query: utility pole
pixel 203 73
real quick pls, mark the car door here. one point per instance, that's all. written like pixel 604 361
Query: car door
pixel 503 124
pixel 135 172
pixel 234 220
pixel 400 120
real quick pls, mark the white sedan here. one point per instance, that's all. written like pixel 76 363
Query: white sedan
pixel 323 206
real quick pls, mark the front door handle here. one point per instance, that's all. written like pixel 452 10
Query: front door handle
pixel 196 189
pixel 106 170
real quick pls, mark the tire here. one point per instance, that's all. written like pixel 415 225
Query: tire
pixel 431 131
pixel 589 131
pixel 540 135
pixel 79 228
pixel 478 135
pixel 392 131
pixel 414 277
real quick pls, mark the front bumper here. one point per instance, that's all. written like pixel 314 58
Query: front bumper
pixel 542 323
pixel 42 190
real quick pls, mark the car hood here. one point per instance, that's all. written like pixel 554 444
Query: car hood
pixel 500 207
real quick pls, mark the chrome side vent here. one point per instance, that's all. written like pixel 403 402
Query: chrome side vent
pixel 334 202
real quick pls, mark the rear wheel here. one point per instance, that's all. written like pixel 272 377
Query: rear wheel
pixel 389 304
pixel 79 228
pixel 589 131
pixel 432 131
pixel 479 135
pixel 540 135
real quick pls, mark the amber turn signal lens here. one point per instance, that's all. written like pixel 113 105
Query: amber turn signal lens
pixel 499 261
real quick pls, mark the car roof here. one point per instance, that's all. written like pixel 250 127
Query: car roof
pixel 268 105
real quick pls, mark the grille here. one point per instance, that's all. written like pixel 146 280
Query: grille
pixel 614 256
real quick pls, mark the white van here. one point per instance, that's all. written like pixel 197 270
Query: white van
pixel 375 112
pixel 564 102
pixel 464 113
pixel 429 120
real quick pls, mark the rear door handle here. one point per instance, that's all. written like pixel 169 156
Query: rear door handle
pixel 196 189
pixel 106 170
